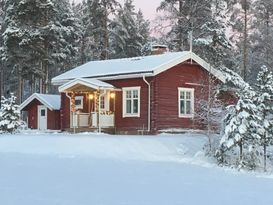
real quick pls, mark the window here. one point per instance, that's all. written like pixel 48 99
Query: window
pixel 42 112
pixel 102 102
pixel 131 101
pixel 79 102
pixel 186 102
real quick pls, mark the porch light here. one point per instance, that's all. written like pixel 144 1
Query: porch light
pixel 91 96
pixel 112 95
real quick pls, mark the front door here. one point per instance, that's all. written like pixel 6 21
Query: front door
pixel 42 117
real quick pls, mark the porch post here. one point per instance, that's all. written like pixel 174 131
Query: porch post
pixel 72 106
pixel 99 124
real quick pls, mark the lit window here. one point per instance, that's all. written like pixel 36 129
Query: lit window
pixel 79 102
pixel 131 102
pixel 186 102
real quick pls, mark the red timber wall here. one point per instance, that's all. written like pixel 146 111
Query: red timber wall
pixel 53 117
pixel 65 111
pixel 131 124
pixel 165 95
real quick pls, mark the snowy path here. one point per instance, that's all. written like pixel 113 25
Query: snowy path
pixel 126 170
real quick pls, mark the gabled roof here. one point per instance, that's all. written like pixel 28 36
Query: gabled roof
pixel 90 83
pixel 128 67
pixel 52 102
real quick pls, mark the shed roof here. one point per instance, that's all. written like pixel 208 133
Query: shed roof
pixel 126 67
pixel 52 102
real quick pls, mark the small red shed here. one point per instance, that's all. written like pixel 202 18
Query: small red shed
pixel 43 111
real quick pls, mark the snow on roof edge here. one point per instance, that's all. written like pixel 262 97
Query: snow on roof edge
pixel 40 97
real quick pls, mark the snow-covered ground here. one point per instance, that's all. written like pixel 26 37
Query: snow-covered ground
pixel 93 169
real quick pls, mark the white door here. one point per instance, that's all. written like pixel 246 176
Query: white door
pixel 42 117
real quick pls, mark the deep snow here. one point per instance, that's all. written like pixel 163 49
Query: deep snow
pixel 93 169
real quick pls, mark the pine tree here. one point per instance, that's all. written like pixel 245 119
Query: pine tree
pixel 264 104
pixel 205 21
pixel 2 3
pixel 130 32
pixel 9 115
pixel 261 35
pixel 39 37
pixel 240 12
pixel 97 20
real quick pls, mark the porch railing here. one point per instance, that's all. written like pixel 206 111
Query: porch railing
pixel 91 120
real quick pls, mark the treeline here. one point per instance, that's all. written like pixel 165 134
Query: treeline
pixel 42 38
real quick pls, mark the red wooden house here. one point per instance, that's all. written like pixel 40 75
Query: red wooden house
pixel 43 111
pixel 132 95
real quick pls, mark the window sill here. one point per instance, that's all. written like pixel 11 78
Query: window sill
pixel 130 116
pixel 186 116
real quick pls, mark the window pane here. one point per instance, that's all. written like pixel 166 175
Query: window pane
pixel 128 94
pixel 78 102
pixel 43 113
pixel 182 94
pixel 128 107
pixel 135 94
pixel 188 95
pixel 188 106
pixel 102 102
pixel 135 106
pixel 182 107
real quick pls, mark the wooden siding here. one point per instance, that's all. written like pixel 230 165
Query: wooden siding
pixel 131 123
pixel 165 95
pixel 32 112
pixel 65 111
pixel 53 119
pixel 164 99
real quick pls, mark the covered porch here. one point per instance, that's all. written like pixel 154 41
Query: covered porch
pixel 92 104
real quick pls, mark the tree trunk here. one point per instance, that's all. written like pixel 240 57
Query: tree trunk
pixel 179 43
pixel 245 41
pixel 20 90
pixel 264 157
pixel 241 150
pixel 105 54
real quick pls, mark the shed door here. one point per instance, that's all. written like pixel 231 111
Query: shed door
pixel 42 117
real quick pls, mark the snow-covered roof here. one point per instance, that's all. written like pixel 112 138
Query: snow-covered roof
pixel 52 102
pixel 128 67
pixel 91 83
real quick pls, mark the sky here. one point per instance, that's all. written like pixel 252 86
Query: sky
pixel 148 7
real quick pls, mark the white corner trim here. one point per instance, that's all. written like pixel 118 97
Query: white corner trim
pixel 124 114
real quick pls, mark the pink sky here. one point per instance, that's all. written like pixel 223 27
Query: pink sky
pixel 148 7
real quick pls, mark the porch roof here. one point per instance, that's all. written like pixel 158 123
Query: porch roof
pixel 52 102
pixel 84 84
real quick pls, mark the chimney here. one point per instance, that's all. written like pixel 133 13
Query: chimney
pixel 159 49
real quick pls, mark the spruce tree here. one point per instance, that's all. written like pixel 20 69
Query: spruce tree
pixel 9 115
pixel 263 101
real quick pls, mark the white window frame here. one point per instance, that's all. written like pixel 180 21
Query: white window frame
pixel 80 106
pixel 191 90
pixel 124 90
pixel 106 97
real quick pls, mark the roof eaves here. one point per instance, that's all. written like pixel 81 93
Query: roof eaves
pixel 31 98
